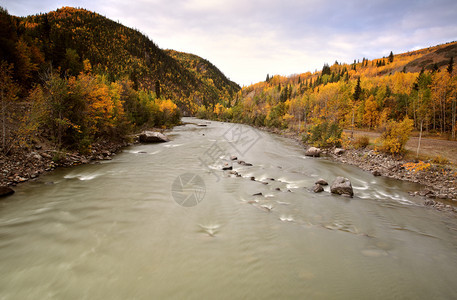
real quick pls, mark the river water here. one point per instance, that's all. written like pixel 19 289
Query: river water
pixel 163 221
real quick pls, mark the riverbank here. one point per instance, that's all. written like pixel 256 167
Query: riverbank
pixel 24 165
pixel 440 182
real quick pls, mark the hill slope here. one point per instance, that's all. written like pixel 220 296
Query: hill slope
pixel 68 35
pixel 371 94
pixel 207 73
pixel 82 78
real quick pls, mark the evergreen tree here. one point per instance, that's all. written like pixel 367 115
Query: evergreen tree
pixel 326 70
pixel 268 78
pixel 391 57
pixel 157 89
pixel 358 91
pixel 450 67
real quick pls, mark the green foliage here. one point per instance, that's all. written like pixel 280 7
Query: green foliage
pixel 396 135
pixel 323 135
pixel 275 118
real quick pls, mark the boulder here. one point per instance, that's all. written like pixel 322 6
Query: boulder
pixel 153 137
pixel 429 202
pixel 342 186
pixel 338 151
pixel 318 188
pixel 425 192
pixel 6 191
pixel 313 151
pixel 321 182
pixel 376 173
pixel 233 157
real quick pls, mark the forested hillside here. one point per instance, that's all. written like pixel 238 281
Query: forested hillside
pixel 79 76
pixel 419 86
pixel 219 88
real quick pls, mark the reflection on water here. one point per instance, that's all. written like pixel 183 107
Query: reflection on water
pixel 113 230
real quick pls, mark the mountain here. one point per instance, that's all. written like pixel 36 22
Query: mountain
pixel 68 36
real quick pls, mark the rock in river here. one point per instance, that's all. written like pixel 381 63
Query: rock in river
pixel 342 186
pixel 313 151
pixel 318 188
pixel 321 182
pixel 153 137
pixel 6 191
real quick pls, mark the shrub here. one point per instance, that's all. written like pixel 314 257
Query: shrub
pixel 396 135
pixel 440 160
pixel 323 135
pixel 361 142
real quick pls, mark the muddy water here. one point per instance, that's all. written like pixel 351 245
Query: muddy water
pixel 164 221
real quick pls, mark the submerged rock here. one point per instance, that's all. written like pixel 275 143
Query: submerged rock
pixel 342 186
pixel 227 167
pixel 153 137
pixel 321 182
pixel 313 151
pixel 6 191
pixel 318 188
pixel 376 173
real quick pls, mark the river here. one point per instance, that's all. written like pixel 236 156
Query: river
pixel 163 221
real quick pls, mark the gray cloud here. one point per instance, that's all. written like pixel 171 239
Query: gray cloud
pixel 247 40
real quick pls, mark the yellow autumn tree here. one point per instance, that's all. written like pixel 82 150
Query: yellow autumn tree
pixel 370 117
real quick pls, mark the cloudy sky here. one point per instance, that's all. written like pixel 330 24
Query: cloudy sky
pixel 247 39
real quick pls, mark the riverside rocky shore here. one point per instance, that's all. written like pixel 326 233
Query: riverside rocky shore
pixel 22 166
pixel 439 182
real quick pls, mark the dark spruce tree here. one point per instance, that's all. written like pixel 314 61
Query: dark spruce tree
pixel 358 91
pixel 450 67
pixel 326 70
pixel 391 57
pixel 157 89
